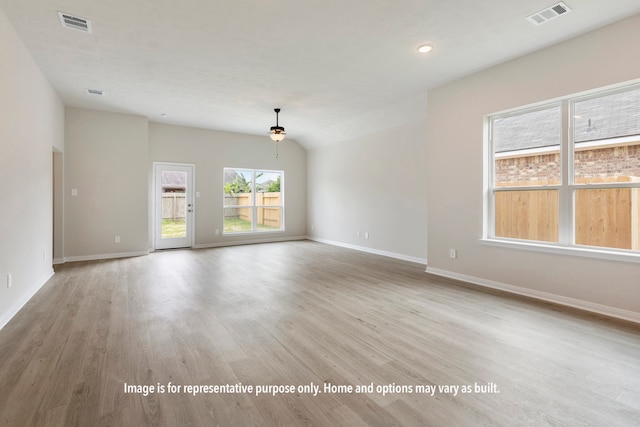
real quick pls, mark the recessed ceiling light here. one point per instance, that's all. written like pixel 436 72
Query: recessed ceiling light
pixel 425 48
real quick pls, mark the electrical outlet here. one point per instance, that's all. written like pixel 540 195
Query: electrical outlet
pixel 9 280
pixel 358 234
pixel 217 231
pixel 366 235
pixel 453 253
pixel 117 239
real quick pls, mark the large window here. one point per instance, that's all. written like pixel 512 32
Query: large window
pixel 568 173
pixel 253 200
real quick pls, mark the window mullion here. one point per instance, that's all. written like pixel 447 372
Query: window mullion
pixel 565 202
pixel 254 211
pixel 489 183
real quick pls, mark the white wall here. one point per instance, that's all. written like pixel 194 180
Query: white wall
pixel 109 161
pixel 106 161
pixel 212 151
pixel 374 184
pixel 31 126
pixel 454 164
pixel 58 207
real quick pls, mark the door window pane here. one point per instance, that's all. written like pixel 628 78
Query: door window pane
pixel 174 207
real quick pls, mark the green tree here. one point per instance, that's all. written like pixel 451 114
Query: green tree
pixel 274 187
pixel 237 186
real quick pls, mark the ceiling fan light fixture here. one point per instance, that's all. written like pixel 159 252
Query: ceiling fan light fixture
pixel 277 132
pixel 277 135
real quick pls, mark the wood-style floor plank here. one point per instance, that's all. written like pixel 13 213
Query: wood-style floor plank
pixel 303 313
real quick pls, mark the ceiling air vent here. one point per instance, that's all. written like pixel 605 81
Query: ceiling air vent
pixel 74 22
pixel 95 92
pixel 549 13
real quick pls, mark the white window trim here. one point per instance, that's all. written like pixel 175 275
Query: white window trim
pixel 565 245
pixel 550 248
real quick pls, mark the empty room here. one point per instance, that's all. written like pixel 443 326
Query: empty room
pixel 263 213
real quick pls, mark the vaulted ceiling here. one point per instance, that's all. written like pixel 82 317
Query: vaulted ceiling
pixel 338 69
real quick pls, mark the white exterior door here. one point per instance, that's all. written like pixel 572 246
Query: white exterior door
pixel 174 205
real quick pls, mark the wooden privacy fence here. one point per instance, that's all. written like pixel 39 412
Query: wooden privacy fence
pixel 531 215
pixel 173 206
pixel 608 217
pixel 265 215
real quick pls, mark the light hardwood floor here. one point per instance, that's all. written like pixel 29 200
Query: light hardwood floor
pixel 297 313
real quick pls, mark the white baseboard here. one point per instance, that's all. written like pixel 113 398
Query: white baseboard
pixel 249 242
pixel 105 256
pixel 606 310
pixel 151 250
pixel 371 250
pixel 17 306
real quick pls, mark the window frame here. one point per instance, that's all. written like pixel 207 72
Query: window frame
pixel 567 188
pixel 253 205
pixel 492 172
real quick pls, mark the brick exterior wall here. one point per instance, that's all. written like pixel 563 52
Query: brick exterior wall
pixel 596 164
pixel 534 170
pixel 608 162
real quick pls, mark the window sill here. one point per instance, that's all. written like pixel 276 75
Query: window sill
pixel 587 252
